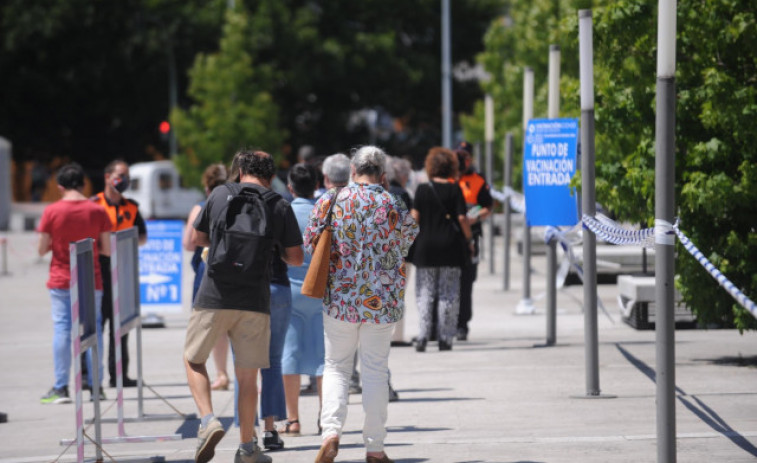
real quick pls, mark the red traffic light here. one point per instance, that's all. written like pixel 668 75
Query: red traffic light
pixel 164 127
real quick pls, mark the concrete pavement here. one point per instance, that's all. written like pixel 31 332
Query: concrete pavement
pixel 495 398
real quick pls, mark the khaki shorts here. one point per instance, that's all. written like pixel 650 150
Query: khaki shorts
pixel 249 332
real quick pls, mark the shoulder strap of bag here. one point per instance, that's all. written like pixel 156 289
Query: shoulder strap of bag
pixel 331 206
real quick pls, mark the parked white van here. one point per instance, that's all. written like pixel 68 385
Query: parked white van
pixel 157 188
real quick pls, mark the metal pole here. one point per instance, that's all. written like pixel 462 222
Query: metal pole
pixel 526 305
pixel 551 292
pixel 477 154
pixel 553 110
pixel 4 258
pixel 664 237
pixel 97 394
pixel 6 195
pixel 489 133
pixel 173 97
pixel 446 78
pixel 553 99
pixel 478 164
pixel 508 221
pixel 140 385
pixel 588 203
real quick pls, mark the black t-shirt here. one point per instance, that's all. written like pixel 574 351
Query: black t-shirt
pixel 438 243
pixel 397 190
pixel 256 296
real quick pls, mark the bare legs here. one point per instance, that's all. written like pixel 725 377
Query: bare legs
pixel 220 355
pixel 248 401
pixel 199 385
pixel 292 393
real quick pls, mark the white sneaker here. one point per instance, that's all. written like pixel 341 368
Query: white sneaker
pixel 209 437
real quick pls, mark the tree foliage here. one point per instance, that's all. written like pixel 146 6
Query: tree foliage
pixel 518 39
pixel 233 107
pixel 89 80
pixel 716 144
pixel 331 58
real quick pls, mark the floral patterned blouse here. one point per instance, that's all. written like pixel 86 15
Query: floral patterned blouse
pixel 372 232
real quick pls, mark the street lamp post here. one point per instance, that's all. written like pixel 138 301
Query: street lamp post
pixel 553 112
pixel 664 237
pixel 489 136
pixel 588 203
pixel 446 78
pixel 526 305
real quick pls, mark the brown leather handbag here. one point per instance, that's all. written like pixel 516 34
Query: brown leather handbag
pixel 317 277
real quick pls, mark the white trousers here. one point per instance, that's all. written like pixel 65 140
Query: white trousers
pixel 372 342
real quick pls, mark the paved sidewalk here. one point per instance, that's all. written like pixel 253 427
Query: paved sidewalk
pixel 496 398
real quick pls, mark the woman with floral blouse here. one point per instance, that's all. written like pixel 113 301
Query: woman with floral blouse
pixel 372 232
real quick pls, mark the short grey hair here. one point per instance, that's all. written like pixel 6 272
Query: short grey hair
pixel 369 160
pixel 391 174
pixel 400 170
pixel 337 168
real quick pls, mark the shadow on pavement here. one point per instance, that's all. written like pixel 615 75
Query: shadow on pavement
pixel 714 420
pixel 700 409
pixel 428 389
pixel 189 427
pixel 732 361
pixel 441 399
pixel 166 397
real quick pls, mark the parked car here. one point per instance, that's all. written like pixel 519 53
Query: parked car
pixel 157 188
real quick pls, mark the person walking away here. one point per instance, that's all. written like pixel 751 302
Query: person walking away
pixel 441 248
pixel 213 176
pixel 237 302
pixel 123 213
pixel 303 347
pixel 71 219
pixel 336 174
pixel 478 201
pixel 364 297
pixel 398 173
pixel 272 395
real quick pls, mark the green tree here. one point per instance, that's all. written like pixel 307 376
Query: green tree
pixel 716 144
pixel 89 80
pixel 518 39
pixel 233 107
pixel 337 56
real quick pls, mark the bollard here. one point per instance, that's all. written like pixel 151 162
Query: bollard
pixel 526 305
pixel 551 292
pixel 508 220
pixel 4 256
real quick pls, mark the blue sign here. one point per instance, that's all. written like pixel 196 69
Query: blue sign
pixel 160 262
pixel 549 162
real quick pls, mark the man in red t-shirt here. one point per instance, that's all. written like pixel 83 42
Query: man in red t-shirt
pixel 74 217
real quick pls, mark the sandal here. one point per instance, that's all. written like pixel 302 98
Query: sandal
pixel 287 429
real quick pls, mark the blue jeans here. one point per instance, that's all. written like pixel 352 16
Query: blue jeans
pixel 61 313
pixel 272 399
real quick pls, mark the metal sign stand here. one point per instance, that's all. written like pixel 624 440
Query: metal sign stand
pixel 126 242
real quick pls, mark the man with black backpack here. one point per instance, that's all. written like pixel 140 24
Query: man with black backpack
pixel 240 224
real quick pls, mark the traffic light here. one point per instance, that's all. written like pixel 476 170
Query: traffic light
pixel 165 129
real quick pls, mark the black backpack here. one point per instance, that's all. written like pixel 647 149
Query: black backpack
pixel 241 241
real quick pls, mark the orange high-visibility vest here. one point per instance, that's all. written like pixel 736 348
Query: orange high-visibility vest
pixel 123 215
pixel 471 185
